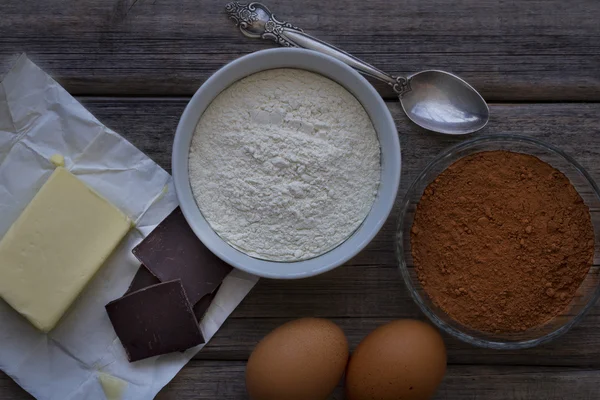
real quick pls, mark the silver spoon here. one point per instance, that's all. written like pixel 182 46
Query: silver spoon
pixel 435 100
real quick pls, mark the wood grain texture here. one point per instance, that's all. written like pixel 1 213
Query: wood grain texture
pixel 580 347
pixel 224 380
pixel 219 380
pixel 510 50
pixel 9 390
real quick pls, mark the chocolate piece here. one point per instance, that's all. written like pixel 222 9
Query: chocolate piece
pixel 173 251
pixel 142 279
pixel 202 305
pixel 155 320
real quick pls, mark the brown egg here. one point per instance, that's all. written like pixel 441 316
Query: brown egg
pixel 301 360
pixel 404 359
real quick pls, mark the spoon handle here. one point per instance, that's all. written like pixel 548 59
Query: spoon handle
pixel 255 20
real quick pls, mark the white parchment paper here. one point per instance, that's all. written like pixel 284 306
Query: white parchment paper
pixel 38 118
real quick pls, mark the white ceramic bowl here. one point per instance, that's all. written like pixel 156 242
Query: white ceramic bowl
pixel 338 72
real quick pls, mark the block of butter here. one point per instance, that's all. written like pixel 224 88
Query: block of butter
pixel 55 247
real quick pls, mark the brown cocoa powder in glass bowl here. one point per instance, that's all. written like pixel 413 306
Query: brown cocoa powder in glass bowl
pixel 501 241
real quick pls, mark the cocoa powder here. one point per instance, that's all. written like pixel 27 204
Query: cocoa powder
pixel 501 241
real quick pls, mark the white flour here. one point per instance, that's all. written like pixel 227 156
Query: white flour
pixel 285 164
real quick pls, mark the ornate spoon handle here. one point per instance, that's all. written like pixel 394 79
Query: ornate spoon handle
pixel 256 21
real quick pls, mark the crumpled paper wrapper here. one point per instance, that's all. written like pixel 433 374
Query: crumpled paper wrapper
pixel 38 119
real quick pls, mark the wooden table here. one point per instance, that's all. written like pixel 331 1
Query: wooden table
pixel 135 63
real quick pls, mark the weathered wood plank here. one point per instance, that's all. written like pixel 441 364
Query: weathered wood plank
pixel 225 380
pixel 351 291
pixel 9 390
pixel 533 50
pixel 580 347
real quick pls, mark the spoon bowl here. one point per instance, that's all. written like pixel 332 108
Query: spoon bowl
pixel 442 102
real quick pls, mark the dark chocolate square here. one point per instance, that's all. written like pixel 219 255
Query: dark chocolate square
pixel 173 251
pixel 155 320
pixel 142 279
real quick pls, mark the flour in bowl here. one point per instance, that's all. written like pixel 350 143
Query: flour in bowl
pixel 285 164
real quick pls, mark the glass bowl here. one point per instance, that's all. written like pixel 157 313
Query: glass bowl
pixel 586 295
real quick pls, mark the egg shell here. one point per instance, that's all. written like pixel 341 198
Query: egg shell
pixel 300 360
pixel 404 359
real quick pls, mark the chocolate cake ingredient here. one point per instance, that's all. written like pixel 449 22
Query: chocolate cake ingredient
pixel 155 320
pixel 501 241
pixel 285 164
pixel 173 251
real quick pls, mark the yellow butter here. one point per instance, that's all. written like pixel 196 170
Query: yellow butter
pixel 58 160
pixel 55 247
pixel 112 386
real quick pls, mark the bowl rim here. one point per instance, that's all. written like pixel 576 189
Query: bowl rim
pixel 408 281
pixel 326 66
